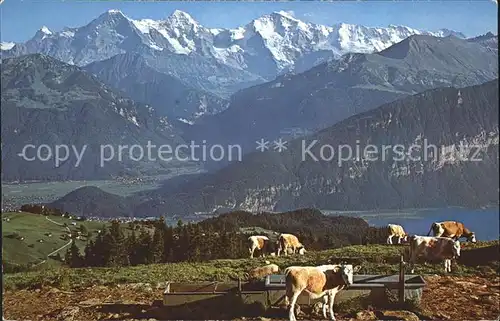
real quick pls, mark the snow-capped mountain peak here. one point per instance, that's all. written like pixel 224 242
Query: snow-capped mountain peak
pixel 182 17
pixel 43 33
pixel 115 11
pixel 264 48
pixel 112 16
pixel 447 32
pixel 45 30
pixel 6 45
pixel 181 21
pixel 286 14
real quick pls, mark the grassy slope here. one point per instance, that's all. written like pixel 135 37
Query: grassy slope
pixel 376 259
pixel 33 227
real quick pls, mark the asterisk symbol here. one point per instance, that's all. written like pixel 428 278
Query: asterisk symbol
pixel 279 145
pixel 262 145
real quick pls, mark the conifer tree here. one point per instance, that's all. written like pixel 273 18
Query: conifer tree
pixel 168 245
pixel 144 255
pixel 132 249
pixel 73 257
pixel 115 240
pixel 158 243
pixel 89 256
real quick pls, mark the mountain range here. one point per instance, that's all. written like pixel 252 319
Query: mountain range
pixel 217 60
pixel 47 102
pixel 120 81
pixel 461 171
pixel 328 93
pixel 47 96
pixel 171 97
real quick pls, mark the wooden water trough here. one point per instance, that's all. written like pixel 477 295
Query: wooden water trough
pixel 270 292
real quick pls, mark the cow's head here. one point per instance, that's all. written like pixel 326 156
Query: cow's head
pixel 472 237
pixel 302 251
pixel 347 273
pixel 456 248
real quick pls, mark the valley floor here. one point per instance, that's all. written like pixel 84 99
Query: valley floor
pixel 444 298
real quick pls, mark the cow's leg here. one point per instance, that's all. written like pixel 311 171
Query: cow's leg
pixel 291 312
pixel 411 262
pixel 399 239
pixel 325 305
pixel 331 298
pixel 389 239
pixel 251 250
pixel 449 265
pixel 411 265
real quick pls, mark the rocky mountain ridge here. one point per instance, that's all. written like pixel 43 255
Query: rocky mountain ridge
pixel 47 103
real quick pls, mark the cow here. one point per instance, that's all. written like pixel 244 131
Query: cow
pixel 258 242
pixel 441 248
pixel 452 229
pixel 260 272
pixel 286 241
pixel 396 230
pixel 323 281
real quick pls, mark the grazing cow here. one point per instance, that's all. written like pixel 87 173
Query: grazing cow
pixel 260 272
pixel 452 229
pixel 258 242
pixel 441 248
pixel 396 230
pixel 323 281
pixel 286 241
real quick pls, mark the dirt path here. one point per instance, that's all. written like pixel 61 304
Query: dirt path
pixel 59 249
pixel 444 298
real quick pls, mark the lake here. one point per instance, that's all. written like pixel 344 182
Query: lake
pixel 484 222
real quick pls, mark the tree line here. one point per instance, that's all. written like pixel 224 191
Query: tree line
pixel 216 238
pixel 158 243
pixel 48 211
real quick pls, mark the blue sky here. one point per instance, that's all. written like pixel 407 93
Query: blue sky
pixel 20 19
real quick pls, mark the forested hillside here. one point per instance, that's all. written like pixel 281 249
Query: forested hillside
pixel 216 238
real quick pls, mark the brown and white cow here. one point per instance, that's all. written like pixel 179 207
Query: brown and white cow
pixel 289 241
pixel 398 231
pixel 432 248
pixel 452 229
pixel 258 242
pixel 260 272
pixel 323 281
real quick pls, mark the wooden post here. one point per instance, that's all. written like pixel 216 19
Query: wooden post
pixel 239 285
pixel 402 280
